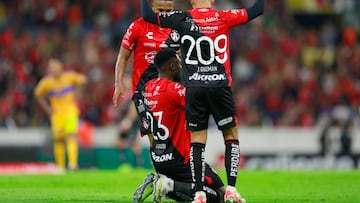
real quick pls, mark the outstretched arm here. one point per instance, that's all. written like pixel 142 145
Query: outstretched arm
pixel 256 10
pixel 120 68
pixel 147 13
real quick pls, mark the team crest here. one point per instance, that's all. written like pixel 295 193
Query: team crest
pixel 175 36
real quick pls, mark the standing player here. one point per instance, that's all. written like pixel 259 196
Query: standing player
pixel 170 148
pixel 144 39
pixel 206 57
pixel 59 88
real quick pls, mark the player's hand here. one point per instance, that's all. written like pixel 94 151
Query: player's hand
pixel 118 93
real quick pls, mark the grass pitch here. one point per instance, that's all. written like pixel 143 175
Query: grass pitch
pixel 118 186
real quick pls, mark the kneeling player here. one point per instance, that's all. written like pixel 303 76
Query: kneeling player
pixel 170 147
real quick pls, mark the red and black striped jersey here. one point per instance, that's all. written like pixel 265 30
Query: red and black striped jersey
pixel 145 39
pixel 205 43
pixel 166 100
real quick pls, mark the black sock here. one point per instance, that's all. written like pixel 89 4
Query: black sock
pixel 182 191
pixel 232 156
pixel 197 165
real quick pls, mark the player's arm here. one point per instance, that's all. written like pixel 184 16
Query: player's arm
pixel 44 104
pixel 147 13
pixel 256 10
pixel 40 91
pixel 120 68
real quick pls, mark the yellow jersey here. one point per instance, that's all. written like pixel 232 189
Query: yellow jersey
pixel 61 92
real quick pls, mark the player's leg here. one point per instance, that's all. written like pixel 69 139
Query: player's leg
pixel 135 144
pixel 197 116
pixel 145 189
pixel 224 112
pixel 71 129
pixel 232 156
pixel 181 191
pixel 214 182
pixel 57 127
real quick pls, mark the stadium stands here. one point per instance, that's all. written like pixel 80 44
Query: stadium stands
pixel 296 66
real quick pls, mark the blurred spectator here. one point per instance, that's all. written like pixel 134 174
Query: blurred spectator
pixel 288 70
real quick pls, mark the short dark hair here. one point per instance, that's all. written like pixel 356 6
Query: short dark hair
pixel 164 56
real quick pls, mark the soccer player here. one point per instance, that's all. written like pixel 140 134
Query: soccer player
pixel 59 88
pixel 144 40
pixel 205 54
pixel 170 147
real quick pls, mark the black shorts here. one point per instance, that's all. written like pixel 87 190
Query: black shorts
pixel 183 174
pixel 203 101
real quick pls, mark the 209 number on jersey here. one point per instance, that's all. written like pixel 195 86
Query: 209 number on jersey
pixel 159 130
pixel 214 48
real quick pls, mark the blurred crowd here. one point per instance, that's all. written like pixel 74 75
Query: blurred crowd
pixel 289 69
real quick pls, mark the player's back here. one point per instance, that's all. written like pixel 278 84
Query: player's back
pixel 205 43
pixel 166 100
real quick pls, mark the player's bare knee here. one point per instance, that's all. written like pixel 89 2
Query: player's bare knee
pixel 231 133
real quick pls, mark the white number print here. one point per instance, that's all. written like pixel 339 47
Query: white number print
pixel 214 48
pixel 158 135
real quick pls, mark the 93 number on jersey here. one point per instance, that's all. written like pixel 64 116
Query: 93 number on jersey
pixel 159 130
pixel 214 47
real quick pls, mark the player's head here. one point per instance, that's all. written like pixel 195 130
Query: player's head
pixel 162 5
pixel 55 67
pixel 202 3
pixel 168 64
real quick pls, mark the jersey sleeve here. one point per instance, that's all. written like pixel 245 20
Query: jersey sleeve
pixel 129 39
pixel 236 16
pixel 77 78
pixel 42 88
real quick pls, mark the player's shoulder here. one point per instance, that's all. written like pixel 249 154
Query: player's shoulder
pixel 46 79
pixel 141 23
pixel 174 85
pixel 165 83
pixel 138 23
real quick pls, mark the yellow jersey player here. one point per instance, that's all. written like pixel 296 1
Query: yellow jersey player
pixel 56 95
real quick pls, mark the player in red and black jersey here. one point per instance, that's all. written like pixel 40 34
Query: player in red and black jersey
pixel 206 75
pixel 170 148
pixel 143 39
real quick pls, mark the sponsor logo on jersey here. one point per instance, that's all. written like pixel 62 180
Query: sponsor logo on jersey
pixel 225 121
pixel 160 146
pixel 163 45
pixel 140 106
pixel 213 77
pixel 209 28
pixel 150 44
pixel 162 158
pixel 149 56
pixel 207 20
pixel 193 124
